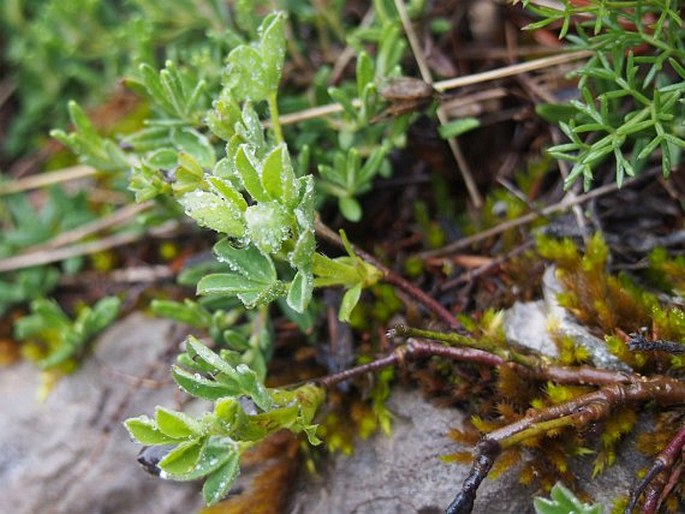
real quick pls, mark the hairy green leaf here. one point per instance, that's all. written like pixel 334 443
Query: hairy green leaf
pixel 219 482
pixel 212 211
pixel 145 431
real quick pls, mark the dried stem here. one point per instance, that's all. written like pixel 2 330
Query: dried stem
pixel 662 467
pixel 413 350
pixel 71 236
pixel 531 216
pixel 577 412
pixel 47 179
pixel 49 256
pixel 475 78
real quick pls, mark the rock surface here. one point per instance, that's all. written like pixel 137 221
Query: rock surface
pixel 72 455
pixel 404 474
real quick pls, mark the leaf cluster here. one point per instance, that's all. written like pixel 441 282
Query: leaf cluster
pixel 244 413
pixel 252 338
pixel 24 226
pixel 64 339
pixel 353 154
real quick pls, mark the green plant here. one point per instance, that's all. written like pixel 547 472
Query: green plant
pixel 65 339
pixel 244 413
pixel 23 227
pixel 563 501
pixel 631 102
pixel 53 55
pixel 363 140
pixel 252 195
pixel 251 338
pixel 213 146
pixel 265 214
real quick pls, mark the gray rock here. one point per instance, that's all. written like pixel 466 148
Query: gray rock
pixel 530 324
pixel 71 453
pixel 526 324
pixel 403 474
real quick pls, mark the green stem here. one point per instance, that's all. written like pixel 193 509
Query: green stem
pixel 470 342
pixel 275 122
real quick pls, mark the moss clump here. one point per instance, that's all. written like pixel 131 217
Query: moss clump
pixel 615 305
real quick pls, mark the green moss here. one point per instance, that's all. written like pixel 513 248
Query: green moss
pixel 615 305
pixel 668 272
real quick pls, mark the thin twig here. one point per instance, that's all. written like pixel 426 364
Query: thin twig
pixel 128 275
pixel 528 218
pixel 416 49
pixel 663 463
pixel 49 256
pixel 445 85
pixel 472 274
pixel 508 71
pixel 47 179
pixel 424 70
pixel 112 220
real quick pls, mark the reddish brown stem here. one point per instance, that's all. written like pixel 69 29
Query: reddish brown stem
pixel 577 412
pixel 413 350
pixel 655 489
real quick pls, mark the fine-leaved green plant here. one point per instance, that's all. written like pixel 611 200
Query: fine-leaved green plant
pixel 24 226
pixel 631 88
pixel 264 213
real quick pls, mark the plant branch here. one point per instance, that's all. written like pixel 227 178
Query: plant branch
pixel 662 467
pixel 470 342
pixel 577 412
pixel 531 216
pixel 393 278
